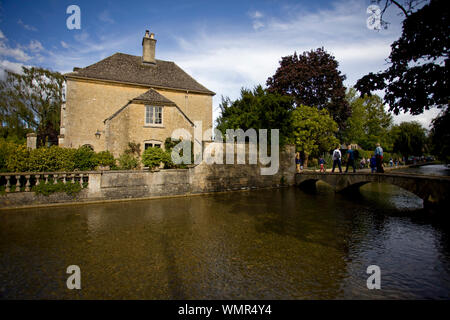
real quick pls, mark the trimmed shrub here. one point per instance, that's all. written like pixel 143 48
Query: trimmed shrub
pixel 169 144
pixel 105 158
pixel 153 157
pixel 84 159
pixel 128 162
pixel 7 149
pixel 18 159
pixel 52 158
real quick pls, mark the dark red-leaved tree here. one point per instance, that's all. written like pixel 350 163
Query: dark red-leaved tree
pixel 313 79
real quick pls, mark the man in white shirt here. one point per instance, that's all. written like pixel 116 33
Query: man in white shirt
pixel 337 155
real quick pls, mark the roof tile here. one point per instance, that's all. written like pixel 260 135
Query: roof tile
pixel 130 69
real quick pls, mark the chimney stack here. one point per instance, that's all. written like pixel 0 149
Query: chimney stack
pixel 148 48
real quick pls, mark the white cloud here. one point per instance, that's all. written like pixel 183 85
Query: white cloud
pixel 105 16
pixel 6 65
pixel 64 45
pixel 26 26
pixel 35 46
pixel 424 119
pixel 226 61
pixel 17 53
pixel 6 51
pixel 257 25
pixel 256 15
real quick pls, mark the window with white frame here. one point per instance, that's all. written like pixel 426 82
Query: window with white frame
pixel 153 115
pixel 151 145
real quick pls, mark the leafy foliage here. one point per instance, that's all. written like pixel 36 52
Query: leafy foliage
pixel 51 159
pixel 417 78
pixel 369 122
pixel 152 157
pixel 105 158
pixel 407 8
pixel 440 136
pixel 70 188
pixel 312 79
pixel 18 158
pixel 313 131
pixel 169 144
pixel 85 159
pixel 133 148
pixel 257 109
pixel 409 138
pixel 32 99
pixel 128 162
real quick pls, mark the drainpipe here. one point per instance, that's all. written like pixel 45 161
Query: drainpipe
pixel 186 97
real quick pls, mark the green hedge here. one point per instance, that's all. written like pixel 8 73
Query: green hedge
pixel 128 161
pixel 18 158
pixel 70 188
pixel 105 158
pixel 153 157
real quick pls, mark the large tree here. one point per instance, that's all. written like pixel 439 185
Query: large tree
pixel 406 7
pixel 440 137
pixel 313 79
pixel 313 131
pixel 33 100
pixel 409 138
pixel 369 122
pixel 417 78
pixel 257 109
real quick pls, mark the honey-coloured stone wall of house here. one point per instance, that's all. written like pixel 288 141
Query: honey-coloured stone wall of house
pixel 198 107
pixel 129 126
pixel 89 103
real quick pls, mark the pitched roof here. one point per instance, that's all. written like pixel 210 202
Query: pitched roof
pixel 127 68
pixel 153 97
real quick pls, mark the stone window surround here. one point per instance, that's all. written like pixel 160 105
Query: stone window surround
pixel 153 142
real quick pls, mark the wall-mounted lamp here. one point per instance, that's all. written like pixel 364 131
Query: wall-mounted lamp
pixel 98 134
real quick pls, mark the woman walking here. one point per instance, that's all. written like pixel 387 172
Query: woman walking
pixel 298 162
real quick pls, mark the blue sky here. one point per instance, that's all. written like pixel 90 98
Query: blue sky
pixel 225 45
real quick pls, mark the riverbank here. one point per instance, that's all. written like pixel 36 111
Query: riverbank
pixel 102 186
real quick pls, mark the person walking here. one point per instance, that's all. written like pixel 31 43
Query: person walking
pixel 379 158
pixel 298 162
pixel 362 163
pixel 373 164
pixel 322 164
pixel 337 155
pixel 350 159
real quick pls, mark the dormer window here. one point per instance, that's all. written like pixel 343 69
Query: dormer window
pixel 153 115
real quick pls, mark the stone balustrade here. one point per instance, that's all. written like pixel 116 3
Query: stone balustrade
pixel 25 181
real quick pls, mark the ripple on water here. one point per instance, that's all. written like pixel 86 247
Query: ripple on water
pixel 264 244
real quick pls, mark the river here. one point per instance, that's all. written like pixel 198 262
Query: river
pixel 264 244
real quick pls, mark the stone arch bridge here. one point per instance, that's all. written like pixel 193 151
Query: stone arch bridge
pixel 432 189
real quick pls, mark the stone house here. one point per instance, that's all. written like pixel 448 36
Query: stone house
pixel 125 98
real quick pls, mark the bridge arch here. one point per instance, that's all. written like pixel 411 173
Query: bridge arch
pixel 431 189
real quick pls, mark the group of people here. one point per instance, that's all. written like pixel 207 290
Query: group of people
pixel 375 162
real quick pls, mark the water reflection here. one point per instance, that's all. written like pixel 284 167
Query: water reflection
pixel 265 244
pixel 434 170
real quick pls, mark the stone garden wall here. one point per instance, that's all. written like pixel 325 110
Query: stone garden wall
pixel 117 185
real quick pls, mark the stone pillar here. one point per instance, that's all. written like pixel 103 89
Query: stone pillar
pixel 61 140
pixel 31 140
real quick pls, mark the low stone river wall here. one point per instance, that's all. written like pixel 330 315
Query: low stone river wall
pixel 120 185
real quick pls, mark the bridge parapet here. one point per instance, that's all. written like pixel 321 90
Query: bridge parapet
pixel 432 189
